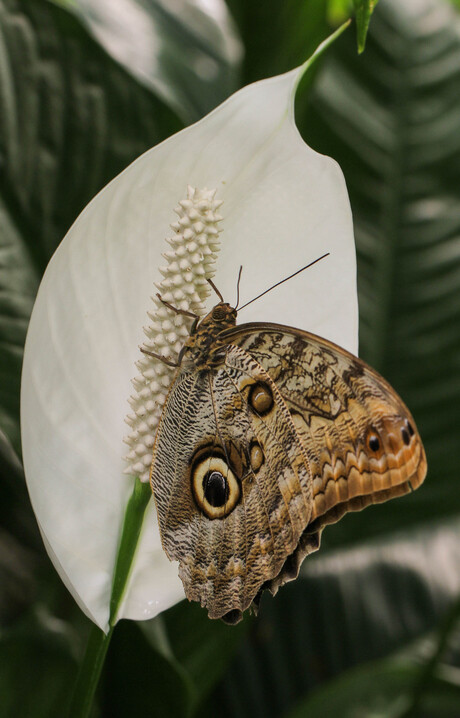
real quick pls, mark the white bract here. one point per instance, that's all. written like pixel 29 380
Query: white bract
pixel 284 205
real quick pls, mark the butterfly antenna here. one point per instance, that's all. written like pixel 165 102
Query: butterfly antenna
pixel 238 288
pixel 285 280
pixel 215 288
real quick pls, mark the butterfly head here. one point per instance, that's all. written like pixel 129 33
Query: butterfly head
pixel 203 347
pixel 223 312
pixel 222 316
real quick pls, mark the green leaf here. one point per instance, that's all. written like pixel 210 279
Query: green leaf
pixel 279 35
pixel 18 284
pixel 132 525
pixel 391 120
pixel 18 527
pixel 187 53
pixel 71 119
pixel 202 647
pixel 37 666
pixel 346 608
pixel 380 689
pixel 98 643
pixel 363 12
pixel 375 690
pixel 432 664
pixel 139 681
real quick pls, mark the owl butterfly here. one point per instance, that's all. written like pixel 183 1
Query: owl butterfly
pixel 268 434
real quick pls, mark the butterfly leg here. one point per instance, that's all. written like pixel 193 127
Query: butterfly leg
pixel 158 356
pixel 176 310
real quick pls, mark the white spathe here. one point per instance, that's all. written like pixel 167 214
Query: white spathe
pixel 284 205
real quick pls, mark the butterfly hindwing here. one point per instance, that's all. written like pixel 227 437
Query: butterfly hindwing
pixel 229 420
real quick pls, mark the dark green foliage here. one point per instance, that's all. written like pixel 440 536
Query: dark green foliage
pixel 391 118
pixel 358 617
pixel 363 12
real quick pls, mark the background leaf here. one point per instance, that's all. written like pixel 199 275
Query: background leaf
pixel 391 120
pixel 144 37
pixel 70 120
pixel 279 35
pixel 382 689
pixel 37 666
pixel 346 608
pixel 363 12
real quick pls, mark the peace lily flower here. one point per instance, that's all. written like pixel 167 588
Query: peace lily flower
pixel 283 205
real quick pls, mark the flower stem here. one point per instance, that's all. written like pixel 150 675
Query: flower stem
pixel 98 642
pixel 89 673
pixel 134 517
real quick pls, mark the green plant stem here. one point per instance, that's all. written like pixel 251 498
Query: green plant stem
pixel 134 517
pixel 98 642
pixel 89 673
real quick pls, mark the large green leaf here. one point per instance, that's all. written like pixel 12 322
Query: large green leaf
pixel 201 646
pixel 382 689
pixel 37 666
pixel 187 52
pixel 140 681
pixel 168 665
pixel 279 35
pixel 347 608
pixel 391 118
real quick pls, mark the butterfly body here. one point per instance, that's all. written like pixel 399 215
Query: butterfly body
pixel 201 350
pixel 268 434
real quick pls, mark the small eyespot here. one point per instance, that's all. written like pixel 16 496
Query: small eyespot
pixel 256 456
pixel 410 428
pixel 260 398
pixel 215 487
pixel 373 442
pixel 405 436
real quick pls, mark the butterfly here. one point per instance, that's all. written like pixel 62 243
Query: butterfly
pixel 267 435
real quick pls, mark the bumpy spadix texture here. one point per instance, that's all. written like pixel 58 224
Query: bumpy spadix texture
pixel 190 262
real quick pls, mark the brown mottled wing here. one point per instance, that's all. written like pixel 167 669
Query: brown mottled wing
pixel 361 441
pixel 229 416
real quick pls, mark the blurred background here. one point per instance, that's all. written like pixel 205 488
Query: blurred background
pixel 370 627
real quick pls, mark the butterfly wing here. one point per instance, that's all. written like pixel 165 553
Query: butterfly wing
pixel 233 534
pixel 362 443
pixel 299 432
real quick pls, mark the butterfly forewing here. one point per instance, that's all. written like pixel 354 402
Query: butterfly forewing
pixel 360 438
